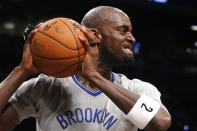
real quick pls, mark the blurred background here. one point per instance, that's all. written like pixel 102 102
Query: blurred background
pixel 165 51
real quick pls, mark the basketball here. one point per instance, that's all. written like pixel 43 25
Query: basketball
pixel 56 48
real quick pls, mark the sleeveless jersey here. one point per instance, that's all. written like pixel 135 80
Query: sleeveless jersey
pixel 64 104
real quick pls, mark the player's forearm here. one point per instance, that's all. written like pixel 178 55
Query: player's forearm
pixel 121 97
pixel 10 85
pixel 125 100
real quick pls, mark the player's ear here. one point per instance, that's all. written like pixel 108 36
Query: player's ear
pixel 97 34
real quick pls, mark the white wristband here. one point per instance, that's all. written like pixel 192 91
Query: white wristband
pixel 143 111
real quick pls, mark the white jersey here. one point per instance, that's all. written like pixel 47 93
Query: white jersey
pixel 64 104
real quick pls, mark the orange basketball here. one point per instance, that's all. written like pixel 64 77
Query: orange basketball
pixel 56 48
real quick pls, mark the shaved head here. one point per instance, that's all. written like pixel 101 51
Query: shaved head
pixel 100 15
pixel 114 27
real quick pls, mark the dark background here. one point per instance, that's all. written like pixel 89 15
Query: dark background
pixel 167 55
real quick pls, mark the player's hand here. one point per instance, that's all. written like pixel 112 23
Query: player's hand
pixel 91 44
pixel 27 60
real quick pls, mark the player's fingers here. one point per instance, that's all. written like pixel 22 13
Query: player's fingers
pixel 73 22
pixel 38 25
pixel 88 33
pixel 84 42
pixel 30 36
pixel 92 35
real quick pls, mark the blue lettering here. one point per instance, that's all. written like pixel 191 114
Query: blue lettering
pixel 105 115
pixel 69 115
pixel 90 114
pixel 77 112
pixel 99 116
pixel 62 121
pixel 110 122
pixel 96 116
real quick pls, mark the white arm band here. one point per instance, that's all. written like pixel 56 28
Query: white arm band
pixel 143 111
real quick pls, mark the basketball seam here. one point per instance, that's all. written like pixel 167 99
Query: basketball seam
pixel 58 41
pixel 65 68
pixel 64 58
pixel 75 42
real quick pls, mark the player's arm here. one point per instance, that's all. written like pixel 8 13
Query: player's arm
pixel 124 99
pixel 8 116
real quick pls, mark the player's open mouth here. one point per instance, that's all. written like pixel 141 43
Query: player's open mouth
pixel 127 49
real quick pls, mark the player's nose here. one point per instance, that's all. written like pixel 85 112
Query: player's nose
pixel 130 38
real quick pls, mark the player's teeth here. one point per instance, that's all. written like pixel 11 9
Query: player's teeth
pixel 127 49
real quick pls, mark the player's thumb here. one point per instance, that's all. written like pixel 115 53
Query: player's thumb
pixel 84 42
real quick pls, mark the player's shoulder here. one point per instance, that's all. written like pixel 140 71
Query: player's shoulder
pixel 42 83
pixel 37 81
pixel 41 78
pixel 46 79
pixel 122 79
pixel 134 84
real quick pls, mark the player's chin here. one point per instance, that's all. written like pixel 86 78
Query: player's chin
pixel 126 60
pixel 128 57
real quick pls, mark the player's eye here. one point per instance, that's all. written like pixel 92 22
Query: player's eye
pixel 122 31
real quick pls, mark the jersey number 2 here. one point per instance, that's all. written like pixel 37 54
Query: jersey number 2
pixel 146 108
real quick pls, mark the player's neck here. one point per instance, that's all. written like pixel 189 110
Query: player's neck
pixel 88 84
pixel 104 69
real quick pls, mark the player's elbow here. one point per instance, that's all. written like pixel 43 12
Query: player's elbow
pixel 162 120
pixel 160 125
pixel 164 124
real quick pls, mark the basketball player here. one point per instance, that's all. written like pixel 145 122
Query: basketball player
pixel 94 99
